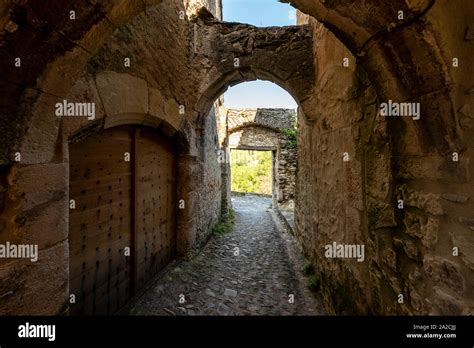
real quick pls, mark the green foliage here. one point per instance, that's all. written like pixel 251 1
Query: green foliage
pixel 226 224
pixel 290 133
pixel 314 282
pixel 290 136
pixel 251 171
pixel 308 268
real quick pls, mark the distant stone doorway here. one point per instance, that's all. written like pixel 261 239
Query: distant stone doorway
pixel 253 171
pixel 273 131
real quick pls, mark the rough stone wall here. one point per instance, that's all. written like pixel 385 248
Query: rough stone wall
pixel 35 202
pixel 210 188
pixel 437 190
pixel 329 203
pixel 287 165
pixel 409 250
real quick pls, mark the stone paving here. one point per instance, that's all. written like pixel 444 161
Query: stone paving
pixel 255 279
pixel 289 216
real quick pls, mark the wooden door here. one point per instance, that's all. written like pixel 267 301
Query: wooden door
pixel 100 226
pixel 155 203
pixel 119 204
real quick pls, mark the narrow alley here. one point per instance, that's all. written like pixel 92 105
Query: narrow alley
pixel 258 278
pixel 121 123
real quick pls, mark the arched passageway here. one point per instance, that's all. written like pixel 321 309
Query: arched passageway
pixel 399 186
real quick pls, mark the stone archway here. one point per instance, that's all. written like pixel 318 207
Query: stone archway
pixel 230 53
pixel 245 53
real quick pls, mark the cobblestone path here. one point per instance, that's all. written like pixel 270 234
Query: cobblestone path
pixel 257 281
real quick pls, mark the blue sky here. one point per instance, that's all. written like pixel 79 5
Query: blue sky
pixel 260 13
pixel 258 94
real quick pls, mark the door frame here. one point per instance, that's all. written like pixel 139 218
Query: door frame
pixel 187 164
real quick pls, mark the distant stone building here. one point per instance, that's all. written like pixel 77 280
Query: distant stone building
pixel 264 130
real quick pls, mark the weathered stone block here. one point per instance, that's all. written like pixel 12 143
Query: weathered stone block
pixel 46 225
pixel 172 113
pixel 39 144
pixel 378 176
pixel 429 232
pixel 465 244
pixel 441 270
pixel 466 110
pixel 415 299
pixel 41 183
pixel 186 238
pixel 409 246
pixel 426 229
pixel 429 202
pixel 447 304
pixel 157 102
pixel 42 192
pixel 381 215
pixel 122 93
pixel 84 91
pixel 455 198
pixel 39 288
pixel 390 257
pixel 468 222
